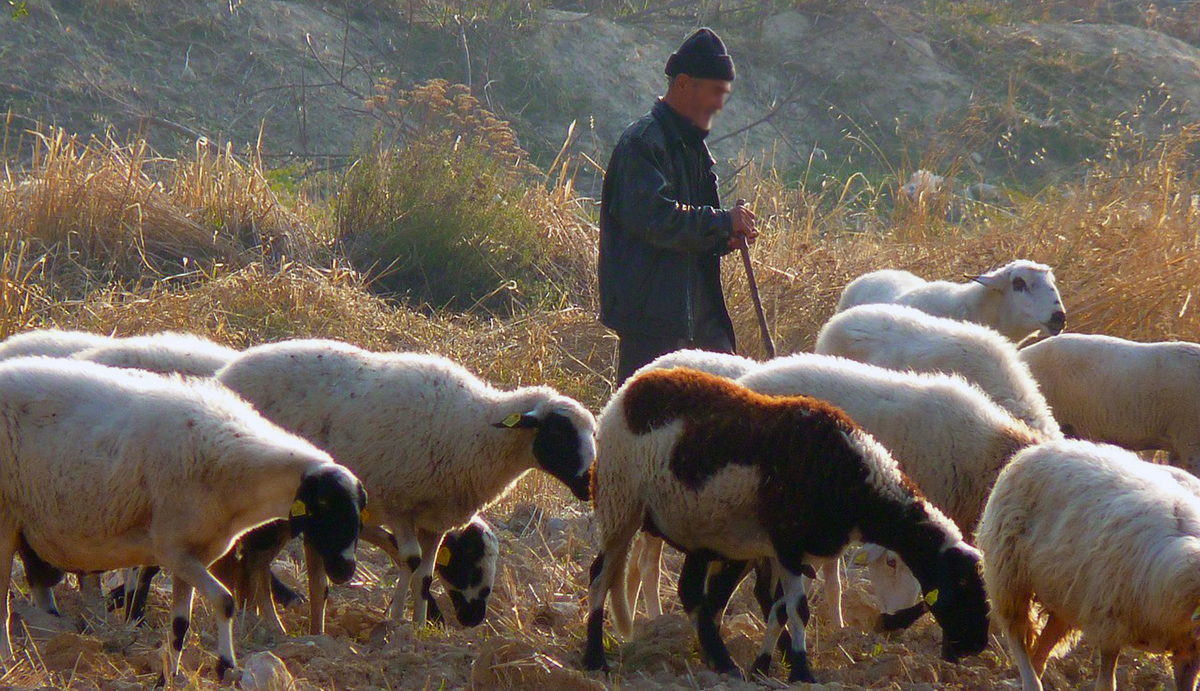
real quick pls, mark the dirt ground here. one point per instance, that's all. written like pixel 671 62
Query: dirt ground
pixel 531 640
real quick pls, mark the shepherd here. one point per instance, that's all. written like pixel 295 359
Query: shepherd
pixel 662 229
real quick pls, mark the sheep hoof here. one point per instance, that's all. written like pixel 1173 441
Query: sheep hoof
pixel 732 671
pixel 762 666
pixel 595 663
pixel 226 671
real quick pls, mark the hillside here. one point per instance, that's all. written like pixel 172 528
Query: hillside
pixel 893 83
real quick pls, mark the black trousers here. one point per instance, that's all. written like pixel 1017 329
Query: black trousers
pixel 635 351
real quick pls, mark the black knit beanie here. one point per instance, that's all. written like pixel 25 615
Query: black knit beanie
pixel 701 56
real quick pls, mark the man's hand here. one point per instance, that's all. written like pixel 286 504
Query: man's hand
pixel 744 229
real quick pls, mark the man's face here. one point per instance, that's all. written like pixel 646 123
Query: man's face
pixel 704 98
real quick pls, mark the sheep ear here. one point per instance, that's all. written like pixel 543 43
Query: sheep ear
pixel 518 421
pixel 995 280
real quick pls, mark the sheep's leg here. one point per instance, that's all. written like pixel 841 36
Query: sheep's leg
pixel 220 600
pixel 796 598
pixel 606 572
pixel 832 592
pixel 1030 679
pixel 89 591
pixel 135 600
pixel 318 589
pixel 422 578
pixel 8 547
pixel 410 560
pixel 181 616
pixel 633 574
pixel 387 542
pixel 721 584
pixel 1051 634
pixel 650 568
pixel 691 594
pixel 41 576
pixel 1187 669
pixel 1106 677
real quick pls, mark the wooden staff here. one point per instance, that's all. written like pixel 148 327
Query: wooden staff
pixel 768 343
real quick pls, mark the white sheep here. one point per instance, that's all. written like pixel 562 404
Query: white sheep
pixel 1142 396
pixel 905 338
pixel 1016 299
pixel 49 343
pixel 946 434
pixel 106 469
pixel 165 353
pixel 1107 545
pixel 727 474
pixel 432 443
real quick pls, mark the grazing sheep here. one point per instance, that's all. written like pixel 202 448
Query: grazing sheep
pixel 1107 545
pixel 1017 299
pixel 49 343
pixel 106 469
pixel 1142 396
pixel 432 443
pixel 946 434
pixel 724 473
pixel 165 353
pixel 904 338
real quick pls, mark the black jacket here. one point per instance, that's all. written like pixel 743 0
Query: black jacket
pixel 662 233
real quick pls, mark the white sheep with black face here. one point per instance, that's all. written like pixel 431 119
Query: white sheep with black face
pixel 1016 299
pixel 107 469
pixel 432 443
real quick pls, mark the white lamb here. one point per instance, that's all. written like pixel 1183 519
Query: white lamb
pixel 946 434
pixel 1017 299
pixel 432 443
pixel 1107 545
pixel 107 469
pixel 166 353
pixel 49 343
pixel 1142 396
pixel 904 338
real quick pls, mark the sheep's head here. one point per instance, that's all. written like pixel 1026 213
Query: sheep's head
pixel 564 442
pixel 1030 299
pixel 896 589
pixel 959 603
pixel 327 512
pixel 466 563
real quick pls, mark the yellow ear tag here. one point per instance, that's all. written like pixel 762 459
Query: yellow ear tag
pixel 512 420
pixel 860 559
pixel 1196 614
pixel 443 557
pixel 364 516
pixel 931 597
pixel 298 508
pixel 877 650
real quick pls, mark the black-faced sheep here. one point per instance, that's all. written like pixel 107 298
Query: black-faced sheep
pixel 724 473
pixel 1107 545
pixel 432 443
pixel 1016 299
pixel 106 469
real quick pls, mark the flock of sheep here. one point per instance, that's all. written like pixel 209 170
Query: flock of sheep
pixel 987 483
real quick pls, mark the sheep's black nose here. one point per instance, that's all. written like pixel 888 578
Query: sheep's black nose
pixel 1057 322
